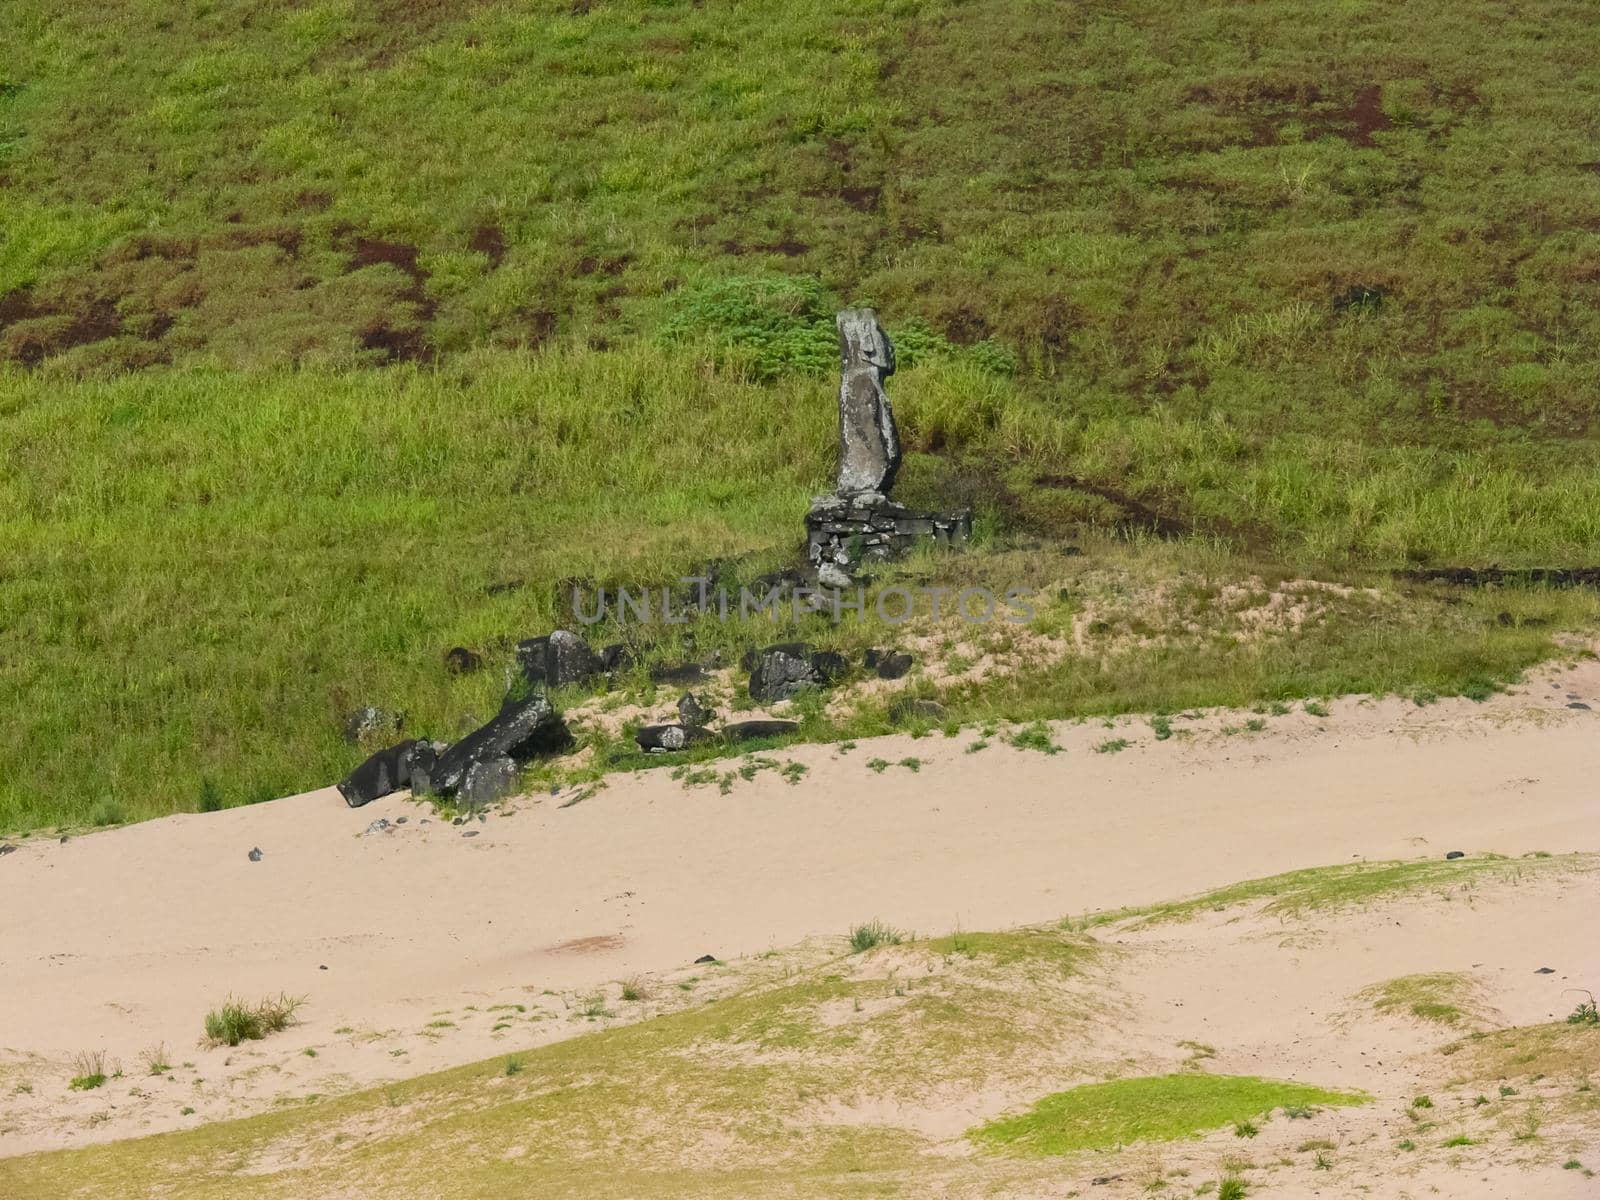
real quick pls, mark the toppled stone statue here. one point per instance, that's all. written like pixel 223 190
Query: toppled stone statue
pixel 859 523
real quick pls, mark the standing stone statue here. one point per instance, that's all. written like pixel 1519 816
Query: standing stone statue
pixel 869 447
pixel 859 524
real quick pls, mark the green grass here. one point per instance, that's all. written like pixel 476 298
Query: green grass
pixel 749 1068
pixel 1315 285
pixel 871 934
pixel 1103 1116
pixel 1440 997
pixel 1353 884
pixel 235 1021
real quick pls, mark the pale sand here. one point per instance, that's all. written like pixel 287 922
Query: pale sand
pixel 123 939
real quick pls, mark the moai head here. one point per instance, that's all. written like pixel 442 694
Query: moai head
pixel 862 341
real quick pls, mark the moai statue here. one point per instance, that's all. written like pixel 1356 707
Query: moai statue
pixel 869 446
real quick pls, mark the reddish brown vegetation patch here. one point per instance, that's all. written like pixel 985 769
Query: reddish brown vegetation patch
pixel 490 241
pixel 1367 116
pixel 397 340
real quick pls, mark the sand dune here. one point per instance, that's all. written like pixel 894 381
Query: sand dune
pixel 122 940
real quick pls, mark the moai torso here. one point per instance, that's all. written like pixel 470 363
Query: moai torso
pixel 869 446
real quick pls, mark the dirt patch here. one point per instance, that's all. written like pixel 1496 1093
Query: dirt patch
pixel 397 341
pixel 490 241
pixel 965 326
pixel 1367 116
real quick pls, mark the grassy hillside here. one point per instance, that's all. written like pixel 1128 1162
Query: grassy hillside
pixel 318 320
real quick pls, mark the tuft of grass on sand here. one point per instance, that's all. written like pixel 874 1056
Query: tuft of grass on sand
pixel 1099 1116
pixel 1354 884
pixel 873 933
pixel 1440 997
pixel 88 1070
pixel 234 1021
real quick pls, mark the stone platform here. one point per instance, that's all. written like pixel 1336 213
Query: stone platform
pixel 844 532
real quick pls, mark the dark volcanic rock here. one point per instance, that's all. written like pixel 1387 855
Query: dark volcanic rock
pixel 692 710
pixel 670 737
pixel 489 780
pixel 385 772
pixel 614 657
pixel 746 731
pixel 568 659
pixel 889 664
pixel 523 729
pixel 458 660
pixel 1456 854
pixel 558 658
pixel 781 671
pixel 254 855
pixel 682 674
pixel 530 657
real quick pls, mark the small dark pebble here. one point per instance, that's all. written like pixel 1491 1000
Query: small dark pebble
pixel 1456 854
pixel 1545 971
pixel 401 820
pixel 458 820
pixel 483 816
pixel 323 967
pixel 255 855
pixel 706 958
pixel 1579 704
pixel 471 833
pixel 556 791
pixel 6 849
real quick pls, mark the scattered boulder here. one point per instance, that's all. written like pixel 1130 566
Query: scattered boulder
pixel 489 780
pixel 530 658
pixel 670 737
pixel 1545 971
pixel 910 708
pixel 1456 854
pixel 832 575
pixel 747 731
pixel 778 672
pixel 458 660
pixel 381 825
pixel 1578 704
pixel 7 848
pixel 568 659
pixel 471 833
pixel 523 729
pixel 614 657
pixel 385 772
pixel 424 760
pixel 693 710
pixel 557 659
pixel 706 958
pixel 888 664
pixel 254 855
pixel 367 722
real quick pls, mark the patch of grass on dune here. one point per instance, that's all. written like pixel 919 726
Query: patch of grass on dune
pixel 758 1073
pixel 1103 1116
pixel 1439 997
pixel 1321 889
